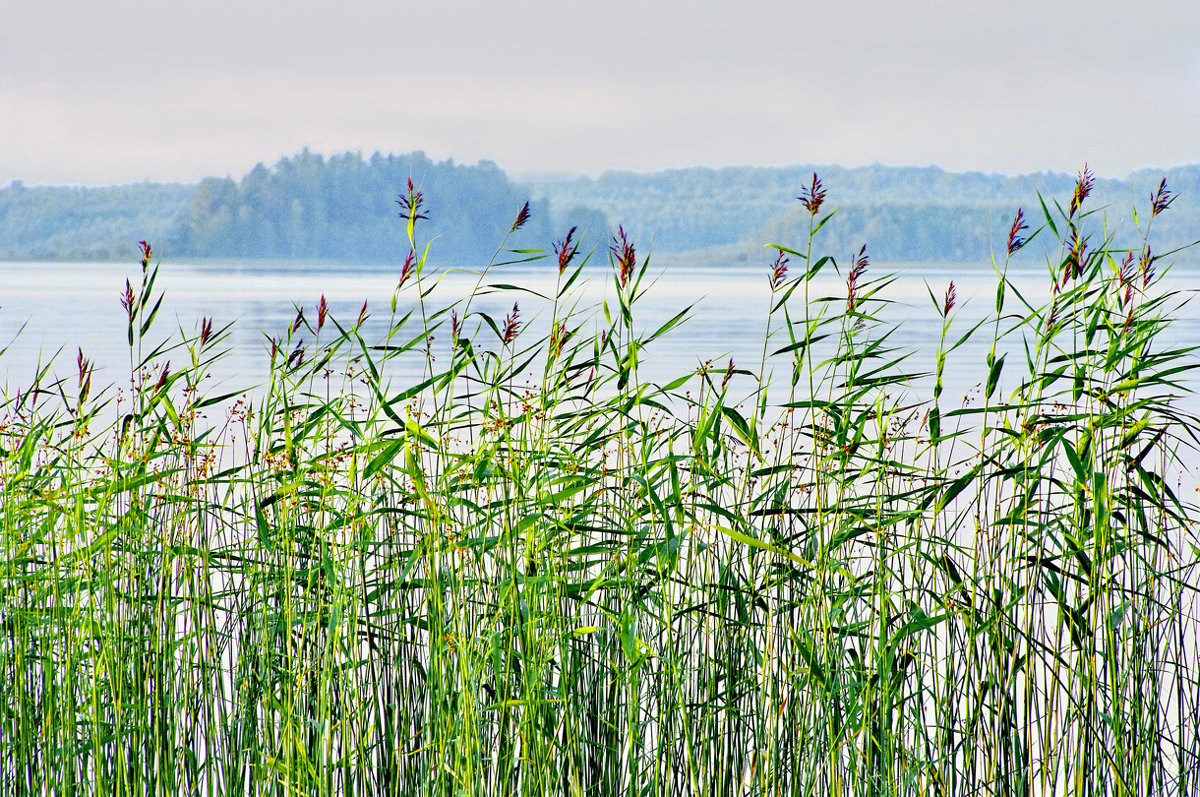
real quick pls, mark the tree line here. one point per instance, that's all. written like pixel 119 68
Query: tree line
pixel 344 208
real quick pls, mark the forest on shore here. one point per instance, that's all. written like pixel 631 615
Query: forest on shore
pixel 343 208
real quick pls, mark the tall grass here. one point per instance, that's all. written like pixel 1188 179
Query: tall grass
pixel 817 575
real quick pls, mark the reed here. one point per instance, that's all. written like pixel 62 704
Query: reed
pixel 814 576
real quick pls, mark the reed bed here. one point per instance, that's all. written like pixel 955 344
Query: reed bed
pixel 810 575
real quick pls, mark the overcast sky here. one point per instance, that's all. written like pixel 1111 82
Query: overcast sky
pixel 106 91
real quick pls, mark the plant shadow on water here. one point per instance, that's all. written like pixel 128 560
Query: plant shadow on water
pixel 473 581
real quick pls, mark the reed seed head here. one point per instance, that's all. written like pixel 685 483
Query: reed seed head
pixel 1015 241
pixel 1077 258
pixel 1161 199
pixel 1146 266
pixel 779 270
pixel 811 196
pixel 1125 276
pixel 566 250
pixel 1083 188
pixel 512 325
pixel 127 299
pixel 411 204
pixel 296 358
pixel 623 253
pixel 559 335
pixel 522 217
pixel 322 312
pixel 858 268
pixel 146 254
pixel 951 298
pixel 407 270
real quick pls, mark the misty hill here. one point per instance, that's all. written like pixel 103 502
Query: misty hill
pixel 77 223
pixel 902 213
pixel 343 209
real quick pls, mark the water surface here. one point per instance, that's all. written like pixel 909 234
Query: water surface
pixel 64 307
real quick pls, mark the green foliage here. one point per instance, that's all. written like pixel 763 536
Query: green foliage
pixel 534 572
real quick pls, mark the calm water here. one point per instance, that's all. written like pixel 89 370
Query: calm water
pixel 65 306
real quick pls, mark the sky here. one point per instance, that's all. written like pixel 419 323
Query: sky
pixel 112 91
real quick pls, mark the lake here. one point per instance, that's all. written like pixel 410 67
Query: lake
pixel 68 305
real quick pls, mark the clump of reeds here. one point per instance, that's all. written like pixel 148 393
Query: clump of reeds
pixel 589 583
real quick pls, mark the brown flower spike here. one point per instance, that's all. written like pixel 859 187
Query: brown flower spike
pixel 522 217
pixel 127 299
pixel 407 270
pixel 559 334
pixel 1015 241
pixel 1125 275
pixel 811 196
pixel 411 204
pixel 622 250
pixel 1078 257
pixel 1146 266
pixel 857 270
pixel 565 250
pixel 1161 199
pixel 951 298
pixel 296 358
pixel 512 325
pixel 779 270
pixel 1083 187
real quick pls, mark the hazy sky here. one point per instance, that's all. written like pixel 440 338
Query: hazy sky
pixel 103 91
